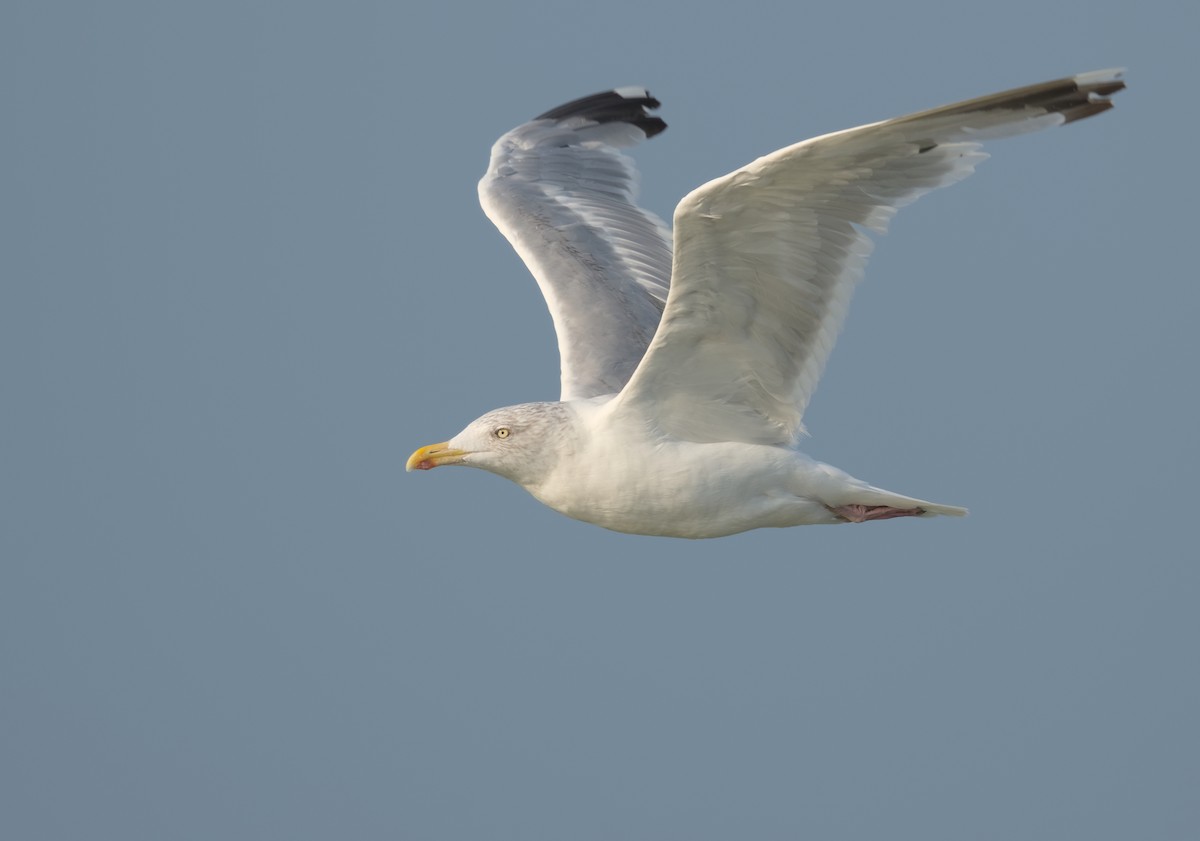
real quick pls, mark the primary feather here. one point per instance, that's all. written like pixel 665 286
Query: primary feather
pixel 687 366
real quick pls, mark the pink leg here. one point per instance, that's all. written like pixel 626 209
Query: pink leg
pixel 862 513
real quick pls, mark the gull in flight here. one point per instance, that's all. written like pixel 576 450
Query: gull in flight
pixel 689 356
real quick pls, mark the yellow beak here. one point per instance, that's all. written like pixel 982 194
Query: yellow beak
pixel 435 455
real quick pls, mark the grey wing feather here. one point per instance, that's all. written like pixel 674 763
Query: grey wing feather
pixel 766 258
pixel 563 194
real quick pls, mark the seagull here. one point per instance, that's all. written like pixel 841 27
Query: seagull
pixel 688 356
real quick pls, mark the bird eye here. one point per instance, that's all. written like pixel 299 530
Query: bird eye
pixel 503 432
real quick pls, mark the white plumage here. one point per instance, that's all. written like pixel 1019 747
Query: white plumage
pixel 687 366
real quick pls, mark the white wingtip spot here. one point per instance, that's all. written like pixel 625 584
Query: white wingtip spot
pixel 1109 75
pixel 631 92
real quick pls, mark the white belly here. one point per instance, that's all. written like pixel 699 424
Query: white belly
pixel 690 490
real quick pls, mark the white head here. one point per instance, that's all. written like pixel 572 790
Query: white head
pixel 521 443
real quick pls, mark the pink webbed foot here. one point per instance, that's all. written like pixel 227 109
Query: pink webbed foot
pixel 862 513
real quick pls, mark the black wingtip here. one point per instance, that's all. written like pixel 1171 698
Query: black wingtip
pixel 623 105
pixel 1095 89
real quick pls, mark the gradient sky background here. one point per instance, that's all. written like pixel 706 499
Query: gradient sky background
pixel 244 274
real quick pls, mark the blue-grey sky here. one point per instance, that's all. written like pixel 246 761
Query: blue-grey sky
pixel 244 274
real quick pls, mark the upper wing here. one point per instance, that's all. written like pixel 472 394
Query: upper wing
pixel 766 257
pixel 565 197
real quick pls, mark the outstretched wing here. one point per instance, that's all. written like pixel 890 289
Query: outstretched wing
pixel 766 257
pixel 564 195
